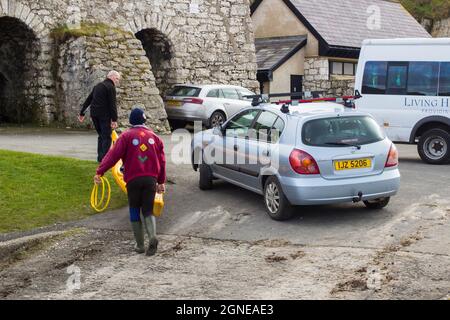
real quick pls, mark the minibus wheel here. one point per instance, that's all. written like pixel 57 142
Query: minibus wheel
pixel 434 146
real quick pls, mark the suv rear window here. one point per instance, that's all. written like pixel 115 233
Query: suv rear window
pixel 342 131
pixel 184 91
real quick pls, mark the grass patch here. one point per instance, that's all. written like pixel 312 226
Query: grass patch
pixel 37 190
pixel 430 9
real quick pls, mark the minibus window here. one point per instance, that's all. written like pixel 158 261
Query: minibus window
pixel 397 78
pixel 374 80
pixel 423 78
pixel 444 80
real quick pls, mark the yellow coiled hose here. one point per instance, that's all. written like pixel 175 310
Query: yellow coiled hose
pixel 103 204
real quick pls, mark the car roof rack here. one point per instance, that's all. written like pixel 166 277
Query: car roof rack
pixel 257 100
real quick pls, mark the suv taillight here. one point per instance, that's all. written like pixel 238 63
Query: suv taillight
pixel 193 100
pixel 303 163
pixel 392 160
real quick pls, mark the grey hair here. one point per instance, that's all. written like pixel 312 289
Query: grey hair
pixel 113 73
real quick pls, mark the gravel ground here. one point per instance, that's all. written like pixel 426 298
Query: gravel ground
pixel 203 268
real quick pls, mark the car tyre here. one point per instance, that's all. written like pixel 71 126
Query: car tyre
pixel 276 203
pixel 216 119
pixel 377 204
pixel 206 177
pixel 434 147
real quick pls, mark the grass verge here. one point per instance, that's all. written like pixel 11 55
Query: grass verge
pixel 37 190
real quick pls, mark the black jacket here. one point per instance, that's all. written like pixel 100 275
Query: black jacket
pixel 102 101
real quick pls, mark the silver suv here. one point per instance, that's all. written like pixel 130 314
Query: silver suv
pixel 210 104
pixel 312 154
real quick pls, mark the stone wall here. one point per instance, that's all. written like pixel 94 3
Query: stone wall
pixel 85 61
pixel 441 28
pixel 317 78
pixel 211 42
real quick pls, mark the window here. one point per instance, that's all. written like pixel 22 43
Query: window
pixel 343 68
pixel 339 132
pixel 264 125
pixel 423 78
pixel 397 78
pixel 277 130
pixel 337 67
pixel 244 92
pixel 230 94
pixel 183 91
pixel 349 69
pixel 444 79
pixel 215 93
pixel 374 80
pixel 240 124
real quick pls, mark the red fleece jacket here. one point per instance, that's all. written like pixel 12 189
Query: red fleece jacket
pixel 142 153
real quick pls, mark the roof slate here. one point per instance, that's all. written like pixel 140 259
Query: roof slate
pixel 348 22
pixel 270 52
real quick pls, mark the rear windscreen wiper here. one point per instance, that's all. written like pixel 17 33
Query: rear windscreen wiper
pixel 343 144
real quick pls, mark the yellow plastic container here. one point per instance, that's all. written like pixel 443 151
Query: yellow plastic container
pixel 117 174
pixel 158 205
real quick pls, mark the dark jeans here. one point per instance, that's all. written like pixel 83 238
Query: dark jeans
pixel 103 127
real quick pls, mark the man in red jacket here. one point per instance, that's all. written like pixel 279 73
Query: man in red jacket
pixel 142 153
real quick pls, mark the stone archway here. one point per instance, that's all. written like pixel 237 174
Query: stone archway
pixel 160 52
pixel 19 53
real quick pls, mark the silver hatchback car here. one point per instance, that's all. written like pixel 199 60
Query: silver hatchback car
pixel 210 104
pixel 311 154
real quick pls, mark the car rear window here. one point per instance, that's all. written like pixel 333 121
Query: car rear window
pixel 341 131
pixel 185 91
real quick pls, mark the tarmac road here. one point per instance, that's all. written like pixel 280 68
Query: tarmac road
pixel 413 227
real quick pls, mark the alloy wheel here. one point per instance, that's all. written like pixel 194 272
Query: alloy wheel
pixel 217 120
pixel 272 198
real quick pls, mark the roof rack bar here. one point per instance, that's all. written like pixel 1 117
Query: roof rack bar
pixel 347 101
pixel 317 100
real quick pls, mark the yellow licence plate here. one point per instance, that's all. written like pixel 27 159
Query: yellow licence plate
pixel 174 103
pixel 353 164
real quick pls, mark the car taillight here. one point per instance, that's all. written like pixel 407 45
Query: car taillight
pixel 392 159
pixel 193 100
pixel 303 163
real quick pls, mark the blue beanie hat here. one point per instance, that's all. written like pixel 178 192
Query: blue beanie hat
pixel 137 117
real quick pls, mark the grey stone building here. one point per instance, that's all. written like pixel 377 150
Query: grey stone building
pixel 52 52
pixel 315 44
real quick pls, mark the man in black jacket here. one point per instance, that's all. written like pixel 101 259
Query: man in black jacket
pixel 102 101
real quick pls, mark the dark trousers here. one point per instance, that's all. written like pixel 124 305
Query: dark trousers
pixel 141 195
pixel 103 127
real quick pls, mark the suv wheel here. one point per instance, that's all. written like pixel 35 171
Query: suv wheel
pixel 277 205
pixel 206 177
pixel 377 203
pixel 434 146
pixel 217 119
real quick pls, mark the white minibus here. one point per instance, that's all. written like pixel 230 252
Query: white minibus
pixel 405 85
